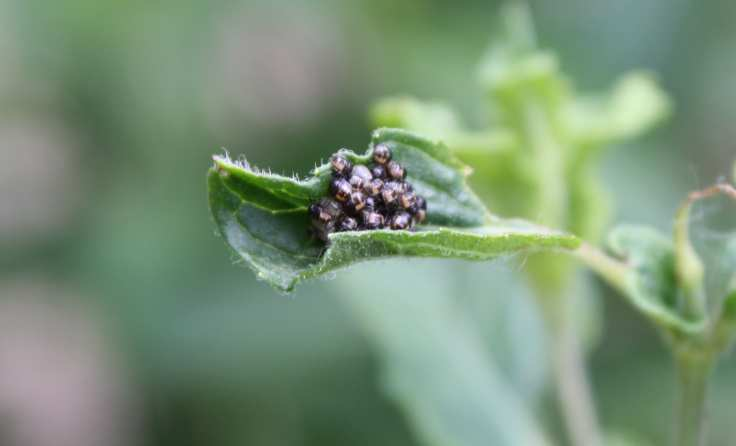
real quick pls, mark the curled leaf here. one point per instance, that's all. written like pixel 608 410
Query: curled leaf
pixel 664 278
pixel 263 217
pixel 650 283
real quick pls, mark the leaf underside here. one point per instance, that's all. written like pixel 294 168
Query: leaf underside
pixel 263 217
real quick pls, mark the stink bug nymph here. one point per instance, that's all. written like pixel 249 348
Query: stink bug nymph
pixel 360 176
pixel 340 189
pixel 378 171
pixel 370 204
pixel 400 220
pixel 372 220
pixel 407 199
pixel 314 211
pixel 325 211
pixel 355 203
pixel 395 170
pixel 341 165
pixel 367 197
pixel 373 188
pixel 381 153
pixel 420 209
pixel 390 192
pixel 347 224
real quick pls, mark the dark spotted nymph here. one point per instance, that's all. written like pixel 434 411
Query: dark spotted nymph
pixel 366 198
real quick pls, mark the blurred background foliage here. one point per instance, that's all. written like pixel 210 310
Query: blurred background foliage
pixel 123 319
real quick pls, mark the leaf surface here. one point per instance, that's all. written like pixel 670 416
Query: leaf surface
pixel 263 217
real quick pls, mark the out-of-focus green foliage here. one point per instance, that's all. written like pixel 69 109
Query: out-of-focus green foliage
pixel 651 286
pixel 149 90
pixel 666 281
pixel 538 156
pixel 263 217
pixel 435 365
pixel 666 278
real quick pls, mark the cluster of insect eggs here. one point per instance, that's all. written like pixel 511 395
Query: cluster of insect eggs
pixel 368 197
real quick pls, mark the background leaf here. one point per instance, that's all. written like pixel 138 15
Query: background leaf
pixel 536 157
pixel 263 217
pixel 634 104
pixel 434 362
pixel 651 286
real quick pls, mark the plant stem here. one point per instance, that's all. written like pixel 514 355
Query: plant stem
pixel 694 373
pixel 609 269
pixel 694 363
pixel 573 387
pixel 567 358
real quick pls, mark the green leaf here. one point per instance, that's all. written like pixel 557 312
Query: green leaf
pixel 651 284
pixel 689 267
pixel 428 118
pixel 729 304
pixel 493 154
pixel 623 438
pixel 435 364
pixel 263 217
pixel 439 121
pixel 725 328
pixel 513 65
pixel 729 260
pixel 635 104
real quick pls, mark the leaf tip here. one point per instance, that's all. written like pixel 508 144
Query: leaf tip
pixel 220 163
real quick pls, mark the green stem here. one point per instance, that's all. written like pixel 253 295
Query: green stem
pixel 613 271
pixel 573 387
pixel 694 373
pixel 567 357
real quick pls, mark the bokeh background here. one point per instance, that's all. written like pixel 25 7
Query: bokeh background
pixel 123 319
